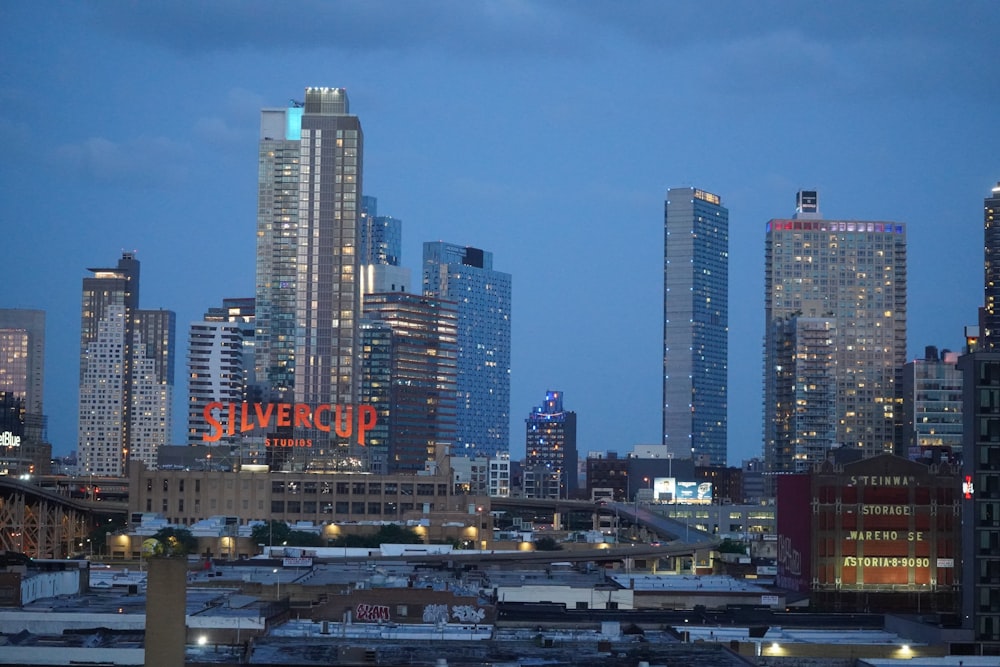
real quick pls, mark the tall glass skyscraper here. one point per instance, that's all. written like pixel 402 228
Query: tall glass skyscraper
pixel 835 307
pixel 308 297
pixel 695 324
pixel 409 350
pixel 466 276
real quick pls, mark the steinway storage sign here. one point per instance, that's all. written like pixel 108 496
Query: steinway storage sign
pixel 877 526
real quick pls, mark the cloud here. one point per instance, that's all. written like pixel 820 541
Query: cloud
pixel 215 130
pixel 155 162
pixel 190 27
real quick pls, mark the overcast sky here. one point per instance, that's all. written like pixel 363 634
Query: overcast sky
pixel 544 132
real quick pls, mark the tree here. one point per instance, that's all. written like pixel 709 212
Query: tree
pixel 105 526
pixel 176 541
pixel 271 533
pixel 301 538
pixel 547 543
pixel 732 547
pixel 388 534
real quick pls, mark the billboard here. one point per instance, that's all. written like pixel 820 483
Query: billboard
pixel 664 489
pixel 669 490
pixel 694 493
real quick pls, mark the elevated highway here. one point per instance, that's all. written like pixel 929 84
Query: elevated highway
pixel 637 513
pixel 43 523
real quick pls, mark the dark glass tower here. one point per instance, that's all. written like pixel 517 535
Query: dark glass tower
pixel 981 455
pixel 466 276
pixel 409 352
pixel 695 324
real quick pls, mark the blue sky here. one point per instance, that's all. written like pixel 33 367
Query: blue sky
pixel 545 132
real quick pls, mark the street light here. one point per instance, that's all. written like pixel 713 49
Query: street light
pixel 278 579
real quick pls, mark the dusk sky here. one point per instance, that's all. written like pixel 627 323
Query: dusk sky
pixel 545 132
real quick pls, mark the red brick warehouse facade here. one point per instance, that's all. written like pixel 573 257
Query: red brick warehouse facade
pixel 880 534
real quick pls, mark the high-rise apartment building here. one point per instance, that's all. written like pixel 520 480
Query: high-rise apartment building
pixel 695 324
pixel 408 361
pixel 932 407
pixel 832 287
pixel 981 452
pixel 23 443
pixel 805 365
pixel 466 276
pixel 153 350
pixel 308 265
pixel 220 366
pixel 126 372
pixel 550 448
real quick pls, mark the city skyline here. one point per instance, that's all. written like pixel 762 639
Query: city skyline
pixel 546 134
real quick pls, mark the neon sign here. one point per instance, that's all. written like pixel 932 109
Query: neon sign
pixel 8 439
pixel 243 417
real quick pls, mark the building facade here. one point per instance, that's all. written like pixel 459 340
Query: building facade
pixel 550 443
pixel 215 375
pixel 308 266
pixel 154 352
pixel 853 275
pixel 981 446
pixel 408 368
pixel 126 372
pixel 23 440
pixel 466 276
pixel 932 407
pixel 879 534
pixel 805 391
pixel 695 323
pixel 990 324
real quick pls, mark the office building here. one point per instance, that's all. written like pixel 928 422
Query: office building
pixel 408 362
pixel 126 372
pixel 308 266
pixel 23 446
pixel 550 449
pixel 695 323
pixel 847 279
pixel 466 276
pixel 981 459
pixel 381 241
pixel 932 407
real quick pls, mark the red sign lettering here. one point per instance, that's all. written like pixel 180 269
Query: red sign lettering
pixel 253 416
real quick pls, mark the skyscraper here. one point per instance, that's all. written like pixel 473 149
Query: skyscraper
pixel 832 287
pixel 695 324
pixel 22 356
pixel 126 372
pixel 981 452
pixel 23 446
pixel 381 242
pixel 991 309
pixel 550 448
pixel 932 407
pixel 308 293
pixel 466 276
pixel 409 351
